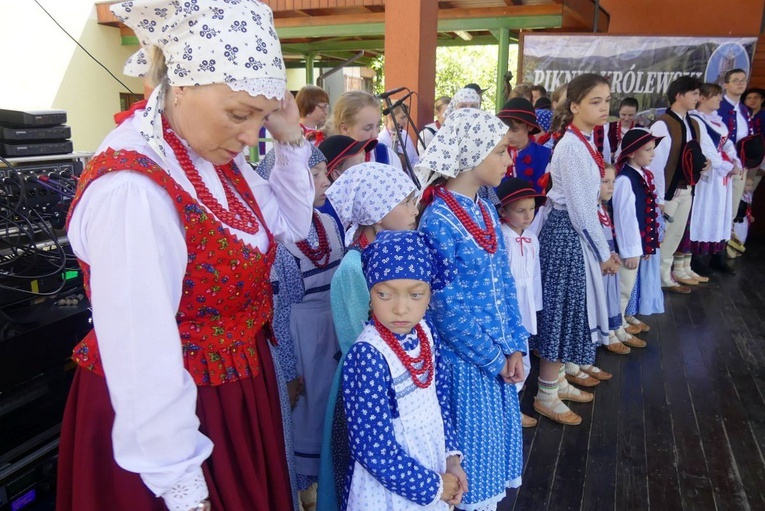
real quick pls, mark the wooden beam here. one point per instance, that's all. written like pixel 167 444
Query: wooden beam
pixel 105 16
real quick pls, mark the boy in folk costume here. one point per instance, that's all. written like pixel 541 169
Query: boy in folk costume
pixel 675 175
pixel 403 444
pixel 635 217
pixel 529 158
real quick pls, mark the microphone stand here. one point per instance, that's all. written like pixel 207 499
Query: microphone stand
pixel 407 164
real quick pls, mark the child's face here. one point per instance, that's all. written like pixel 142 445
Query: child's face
pixel 494 167
pixel 593 109
pixel 320 183
pixel 753 100
pixel 607 184
pixel 627 113
pixel 346 164
pixel 366 125
pixel 402 217
pixel 518 135
pixel 712 103
pixel 520 213
pixel 644 156
pixel 400 119
pixel 400 304
pixel 749 186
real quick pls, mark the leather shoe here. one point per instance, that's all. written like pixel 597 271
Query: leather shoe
pixel 682 290
pixel 685 280
pixel 576 395
pixel 527 422
pixel 618 348
pixel 633 329
pixel 598 375
pixel 587 381
pixel 567 418
pixel 634 342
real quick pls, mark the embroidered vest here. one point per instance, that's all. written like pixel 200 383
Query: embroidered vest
pixel 227 297
pixel 673 172
pixel 645 209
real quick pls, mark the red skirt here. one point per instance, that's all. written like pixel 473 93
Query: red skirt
pixel 247 470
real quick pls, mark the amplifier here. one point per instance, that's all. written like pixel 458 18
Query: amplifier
pixel 32 118
pixel 14 135
pixel 36 149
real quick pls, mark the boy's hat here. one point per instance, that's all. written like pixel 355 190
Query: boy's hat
pixel 758 90
pixel 513 188
pixel 633 140
pixel 751 150
pixel 338 148
pixel 692 161
pixel 520 110
pixel 475 87
pixel 543 103
pixel 404 255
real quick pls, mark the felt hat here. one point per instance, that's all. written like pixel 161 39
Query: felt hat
pixel 520 110
pixel 338 148
pixel 513 188
pixel 633 140
pixel 751 150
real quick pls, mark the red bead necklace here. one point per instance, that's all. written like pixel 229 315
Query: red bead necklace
pixel 240 216
pixel 319 256
pixel 362 241
pixel 593 152
pixel 424 360
pixel 605 219
pixel 486 238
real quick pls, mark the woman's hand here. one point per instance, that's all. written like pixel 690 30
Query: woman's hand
pixel 513 370
pixel 451 488
pixel 284 124
pixel 294 389
pixel 454 467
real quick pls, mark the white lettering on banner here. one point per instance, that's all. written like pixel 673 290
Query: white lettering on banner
pixel 622 82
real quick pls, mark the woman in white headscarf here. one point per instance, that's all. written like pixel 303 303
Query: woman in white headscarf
pixel 175 394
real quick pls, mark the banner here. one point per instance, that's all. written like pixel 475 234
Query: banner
pixel 637 66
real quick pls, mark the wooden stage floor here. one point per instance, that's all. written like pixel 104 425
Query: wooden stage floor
pixel 681 426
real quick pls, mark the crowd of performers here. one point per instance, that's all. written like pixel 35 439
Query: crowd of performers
pixel 325 332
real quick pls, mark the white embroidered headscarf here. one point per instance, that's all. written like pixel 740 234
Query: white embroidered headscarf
pixel 464 98
pixel 462 143
pixel 365 193
pixel 204 42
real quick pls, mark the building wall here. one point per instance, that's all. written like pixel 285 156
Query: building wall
pixel 685 17
pixel 44 69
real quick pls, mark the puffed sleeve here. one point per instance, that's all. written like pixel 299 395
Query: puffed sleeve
pixel 625 220
pixel 368 396
pixel 127 230
pixel 286 199
pixel 661 155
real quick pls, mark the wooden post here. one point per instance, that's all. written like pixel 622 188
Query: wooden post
pixel 411 30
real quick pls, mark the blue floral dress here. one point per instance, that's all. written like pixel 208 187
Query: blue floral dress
pixel 478 320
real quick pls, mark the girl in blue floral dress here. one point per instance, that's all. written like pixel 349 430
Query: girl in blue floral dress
pixel 476 314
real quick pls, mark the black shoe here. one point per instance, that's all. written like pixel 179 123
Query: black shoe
pixel 717 263
pixel 698 266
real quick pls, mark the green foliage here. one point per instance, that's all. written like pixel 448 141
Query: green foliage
pixel 456 66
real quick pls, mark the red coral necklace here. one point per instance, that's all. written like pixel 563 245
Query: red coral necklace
pixel 593 152
pixel 319 256
pixel 240 216
pixel 486 238
pixel 424 360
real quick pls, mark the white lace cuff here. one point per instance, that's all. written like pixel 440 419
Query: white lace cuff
pixel 189 491
pixel 440 490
